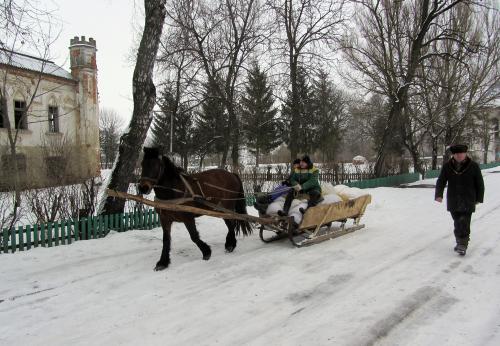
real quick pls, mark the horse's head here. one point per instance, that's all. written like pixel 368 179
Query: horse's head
pixel 152 170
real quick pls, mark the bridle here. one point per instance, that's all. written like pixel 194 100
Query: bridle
pixel 154 181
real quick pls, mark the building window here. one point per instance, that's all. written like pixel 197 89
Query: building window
pixel 53 119
pixel 8 164
pixel 496 128
pixel 20 115
pixel 56 167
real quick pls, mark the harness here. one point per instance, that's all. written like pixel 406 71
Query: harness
pixel 188 194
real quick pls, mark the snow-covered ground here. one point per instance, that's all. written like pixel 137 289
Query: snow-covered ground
pixel 396 282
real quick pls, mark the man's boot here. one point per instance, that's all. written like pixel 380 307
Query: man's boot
pixel 461 247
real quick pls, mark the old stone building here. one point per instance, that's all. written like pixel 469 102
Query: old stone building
pixel 51 115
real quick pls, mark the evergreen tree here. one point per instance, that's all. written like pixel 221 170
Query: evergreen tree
pixel 183 130
pixel 306 125
pixel 211 124
pixel 329 105
pixel 160 129
pixel 258 115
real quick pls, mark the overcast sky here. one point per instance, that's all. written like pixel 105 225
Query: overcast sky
pixel 110 23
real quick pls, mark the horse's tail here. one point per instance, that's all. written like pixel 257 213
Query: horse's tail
pixel 241 208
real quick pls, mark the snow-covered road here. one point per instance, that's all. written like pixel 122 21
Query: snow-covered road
pixel 396 282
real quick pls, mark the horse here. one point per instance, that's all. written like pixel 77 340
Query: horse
pixel 169 182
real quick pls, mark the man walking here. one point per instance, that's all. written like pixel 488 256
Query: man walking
pixel 465 190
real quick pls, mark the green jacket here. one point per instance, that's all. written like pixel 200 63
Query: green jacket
pixel 307 178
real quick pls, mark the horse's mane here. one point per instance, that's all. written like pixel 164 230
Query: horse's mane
pixel 170 168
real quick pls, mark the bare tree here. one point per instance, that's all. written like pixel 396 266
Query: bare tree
pixel 144 94
pixel 221 35
pixel 391 43
pixel 9 216
pixel 29 26
pixel 457 87
pixel 484 76
pixel 110 128
pixel 304 29
pixel 180 96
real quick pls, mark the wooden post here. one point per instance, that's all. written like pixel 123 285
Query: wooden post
pixel 5 238
pixel 83 227
pixel 35 235
pixel 49 233
pixel 43 235
pixel 76 229
pixel 28 237
pixel 56 233
pixel 62 226
pixel 106 224
pixel 13 240
pixel 20 233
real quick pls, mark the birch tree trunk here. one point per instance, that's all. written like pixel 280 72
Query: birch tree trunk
pixel 144 94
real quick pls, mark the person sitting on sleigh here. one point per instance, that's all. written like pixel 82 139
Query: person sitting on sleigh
pixel 304 180
pixel 262 202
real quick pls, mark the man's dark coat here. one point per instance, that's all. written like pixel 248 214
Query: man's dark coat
pixel 465 185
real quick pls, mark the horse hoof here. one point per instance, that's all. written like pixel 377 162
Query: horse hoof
pixel 206 257
pixel 230 248
pixel 160 267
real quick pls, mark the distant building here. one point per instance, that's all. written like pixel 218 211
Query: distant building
pixel 55 114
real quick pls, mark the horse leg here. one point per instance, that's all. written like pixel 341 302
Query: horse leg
pixel 231 237
pixel 195 237
pixel 165 251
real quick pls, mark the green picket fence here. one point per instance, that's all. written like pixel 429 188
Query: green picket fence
pixel 68 231
pixel 489 165
pixel 392 180
pixel 435 172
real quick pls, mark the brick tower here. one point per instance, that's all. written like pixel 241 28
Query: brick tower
pixel 84 70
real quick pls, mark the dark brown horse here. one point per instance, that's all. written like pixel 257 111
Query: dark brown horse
pixel 217 185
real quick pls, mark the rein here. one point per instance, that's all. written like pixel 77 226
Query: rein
pixel 191 191
pixel 209 197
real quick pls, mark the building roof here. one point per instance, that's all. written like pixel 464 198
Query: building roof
pixel 31 63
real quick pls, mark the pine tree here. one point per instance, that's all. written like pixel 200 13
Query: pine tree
pixel 306 126
pixel 211 124
pixel 258 115
pixel 183 131
pixel 329 105
pixel 160 129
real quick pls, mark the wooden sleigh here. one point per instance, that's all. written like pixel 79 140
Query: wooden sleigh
pixel 317 223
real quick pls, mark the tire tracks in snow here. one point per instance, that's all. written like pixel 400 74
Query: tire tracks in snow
pixel 429 301
pixel 85 261
pixel 34 293
pixel 427 295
